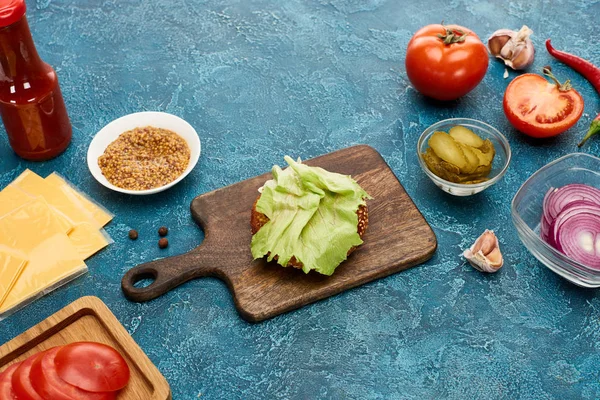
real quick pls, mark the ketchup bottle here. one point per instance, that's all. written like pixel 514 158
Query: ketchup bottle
pixel 31 105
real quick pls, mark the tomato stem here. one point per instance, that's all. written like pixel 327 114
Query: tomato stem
pixel 453 36
pixel 562 87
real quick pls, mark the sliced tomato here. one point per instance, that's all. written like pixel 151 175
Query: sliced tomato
pixel 46 381
pixel 22 384
pixel 538 108
pixel 91 366
pixel 6 390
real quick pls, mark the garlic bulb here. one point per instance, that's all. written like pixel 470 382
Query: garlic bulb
pixel 485 254
pixel 514 48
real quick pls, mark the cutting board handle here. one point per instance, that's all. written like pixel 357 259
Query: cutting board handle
pixel 166 273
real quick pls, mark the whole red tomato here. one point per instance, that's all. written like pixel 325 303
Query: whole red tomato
pixel 445 61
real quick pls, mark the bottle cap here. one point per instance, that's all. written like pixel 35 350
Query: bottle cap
pixel 11 11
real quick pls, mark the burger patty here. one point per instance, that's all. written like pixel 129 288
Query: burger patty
pixel 258 220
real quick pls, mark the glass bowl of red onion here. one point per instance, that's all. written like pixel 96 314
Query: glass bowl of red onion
pixel 557 216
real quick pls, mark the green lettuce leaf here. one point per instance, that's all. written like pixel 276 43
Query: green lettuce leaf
pixel 312 216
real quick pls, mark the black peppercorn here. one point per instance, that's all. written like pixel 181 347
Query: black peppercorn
pixel 163 243
pixel 163 230
pixel 133 234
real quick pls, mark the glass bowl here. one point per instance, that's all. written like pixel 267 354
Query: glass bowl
pixel 526 213
pixel 485 131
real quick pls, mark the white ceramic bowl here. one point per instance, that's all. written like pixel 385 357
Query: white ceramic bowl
pixel 111 132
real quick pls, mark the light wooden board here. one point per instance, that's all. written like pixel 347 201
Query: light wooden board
pixel 398 237
pixel 89 319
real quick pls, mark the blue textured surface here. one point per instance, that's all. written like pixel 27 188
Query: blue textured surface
pixel 260 79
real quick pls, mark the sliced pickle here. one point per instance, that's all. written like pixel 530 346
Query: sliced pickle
pixel 465 136
pixel 472 158
pixel 434 163
pixel 431 153
pixel 430 158
pixel 488 148
pixel 450 168
pixel 486 153
pixel 460 156
pixel 481 171
pixel 470 179
pixel 441 164
pixel 440 167
pixel 448 150
pixel 452 177
pixel 484 159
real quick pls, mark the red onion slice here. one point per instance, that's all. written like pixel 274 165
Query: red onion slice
pixel 561 197
pixel 572 209
pixel 571 222
pixel 545 227
pixel 546 207
pixel 579 238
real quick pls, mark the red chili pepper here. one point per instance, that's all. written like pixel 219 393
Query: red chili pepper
pixel 589 72
pixel 594 129
pixel 584 67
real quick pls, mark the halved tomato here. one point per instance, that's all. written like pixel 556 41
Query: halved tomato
pixel 6 390
pixel 46 381
pixel 22 384
pixel 539 108
pixel 92 366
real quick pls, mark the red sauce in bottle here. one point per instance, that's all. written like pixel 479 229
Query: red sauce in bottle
pixel 31 104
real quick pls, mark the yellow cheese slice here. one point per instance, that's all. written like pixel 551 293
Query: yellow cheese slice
pixel 87 239
pixel 99 214
pixel 71 208
pixel 33 230
pixel 11 198
pixel 11 267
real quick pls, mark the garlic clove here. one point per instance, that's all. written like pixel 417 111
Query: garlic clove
pixel 523 34
pixel 485 243
pixel 522 57
pixel 514 48
pixel 485 255
pixel 495 257
pixel 506 53
pixel 497 41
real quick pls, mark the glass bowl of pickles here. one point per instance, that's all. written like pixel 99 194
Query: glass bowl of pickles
pixel 463 156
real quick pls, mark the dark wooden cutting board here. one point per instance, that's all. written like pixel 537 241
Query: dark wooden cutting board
pixel 398 237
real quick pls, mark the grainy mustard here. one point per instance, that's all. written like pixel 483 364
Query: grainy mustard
pixel 145 158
